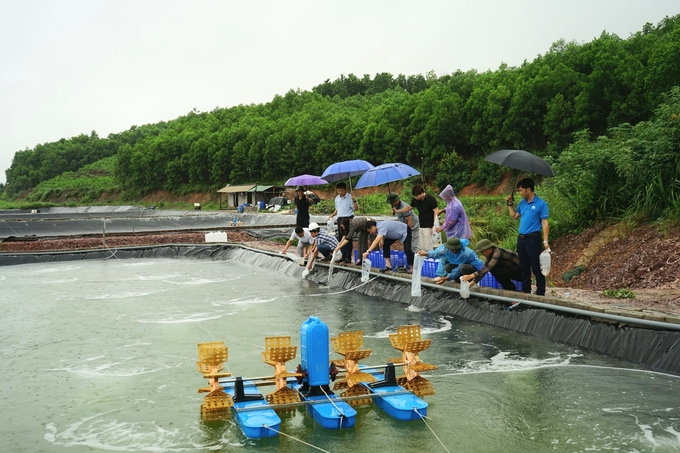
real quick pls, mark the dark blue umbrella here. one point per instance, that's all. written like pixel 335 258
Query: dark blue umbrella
pixel 345 170
pixel 385 174
pixel 305 180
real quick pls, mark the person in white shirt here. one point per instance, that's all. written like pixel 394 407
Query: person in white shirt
pixel 345 205
pixel 304 238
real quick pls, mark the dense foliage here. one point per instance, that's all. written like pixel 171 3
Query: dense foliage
pixel 33 166
pixel 635 169
pixel 602 112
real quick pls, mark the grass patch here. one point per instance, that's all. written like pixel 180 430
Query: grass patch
pixel 623 293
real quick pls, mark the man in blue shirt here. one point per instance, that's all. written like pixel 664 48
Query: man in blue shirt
pixel 345 204
pixel 388 232
pixel 532 213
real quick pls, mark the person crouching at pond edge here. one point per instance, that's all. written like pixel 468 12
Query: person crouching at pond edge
pixel 388 232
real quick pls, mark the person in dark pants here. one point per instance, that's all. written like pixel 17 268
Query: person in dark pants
pixel 502 263
pixel 346 230
pixel 532 213
pixel 427 207
pixel 345 205
pixel 302 204
pixel 388 232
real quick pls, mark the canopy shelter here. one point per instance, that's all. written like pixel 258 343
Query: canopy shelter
pixel 248 194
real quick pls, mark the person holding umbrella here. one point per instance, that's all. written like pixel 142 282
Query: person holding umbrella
pixel 456 223
pixel 302 204
pixel 345 205
pixel 532 213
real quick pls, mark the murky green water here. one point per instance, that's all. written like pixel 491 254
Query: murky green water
pixel 100 356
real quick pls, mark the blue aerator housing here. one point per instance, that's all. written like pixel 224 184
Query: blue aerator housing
pixel 314 351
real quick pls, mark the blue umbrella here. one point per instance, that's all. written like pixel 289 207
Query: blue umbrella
pixel 385 174
pixel 345 170
pixel 305 180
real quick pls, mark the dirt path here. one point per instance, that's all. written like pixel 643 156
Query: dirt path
pixel 644 261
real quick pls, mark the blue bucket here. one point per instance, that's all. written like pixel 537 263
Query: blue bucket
pixel 262 205
pixel 240 209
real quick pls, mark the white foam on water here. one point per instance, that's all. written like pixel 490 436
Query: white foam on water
pixel 414 309
pixel 102 432
pixel 151 278
pixel 650 432
pixel 59 268
pixel 196 317
pixel 123 295
pixel 446 326
pixel 63 280
pixel 112 369
pixel 201 281
pixel 424 330
pixel 246 301
pixel 510 361
pixel 140 263
pixel 132 345
pixel 2 277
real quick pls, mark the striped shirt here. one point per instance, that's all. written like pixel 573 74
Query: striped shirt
pixel 326 239
pixel 499 257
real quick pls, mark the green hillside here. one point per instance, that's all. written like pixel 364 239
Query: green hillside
pixel 604 113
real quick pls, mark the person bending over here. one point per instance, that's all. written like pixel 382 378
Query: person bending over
pixel 387 233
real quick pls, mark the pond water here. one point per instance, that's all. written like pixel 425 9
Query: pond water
pixel 100 356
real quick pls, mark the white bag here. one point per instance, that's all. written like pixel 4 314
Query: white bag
pixel 295 258
pixel 464 289
pixel 436 237
pixel 365 270
pixel 415 278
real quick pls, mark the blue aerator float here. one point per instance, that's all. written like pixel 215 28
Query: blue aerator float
pixel 309 385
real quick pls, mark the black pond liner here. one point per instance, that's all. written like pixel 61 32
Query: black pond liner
pixel 629 339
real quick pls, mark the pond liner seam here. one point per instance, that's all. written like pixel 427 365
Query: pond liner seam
pixel 652 343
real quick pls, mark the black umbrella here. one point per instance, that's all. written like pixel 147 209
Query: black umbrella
pixel 520 160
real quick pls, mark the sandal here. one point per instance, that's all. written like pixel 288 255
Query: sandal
pixel 388 269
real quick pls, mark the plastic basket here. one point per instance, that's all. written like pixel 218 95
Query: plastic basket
pixel 490 281
pixel 398 258
pixel 377 259
pixel 429 268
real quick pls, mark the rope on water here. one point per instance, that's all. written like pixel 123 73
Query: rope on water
pixel 339 292
pixel 10 227
pixel 295 438
pixel 342 415
pixel 422 417
pixel 206 331
pixel 113 253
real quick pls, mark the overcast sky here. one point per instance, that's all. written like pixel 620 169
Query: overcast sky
pixel 73 66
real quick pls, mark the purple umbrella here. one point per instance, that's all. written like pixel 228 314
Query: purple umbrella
pixel 345 170
pixel 385 174
pixel 305 180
